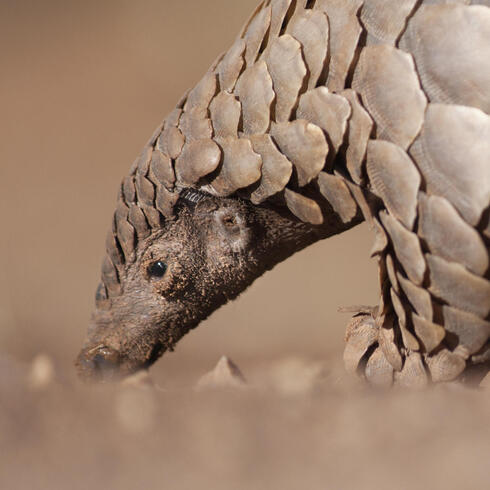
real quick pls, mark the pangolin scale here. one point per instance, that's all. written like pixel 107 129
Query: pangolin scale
pixel 336 108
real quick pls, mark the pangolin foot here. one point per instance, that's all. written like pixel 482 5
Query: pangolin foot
pixel 373 353
pixel 363 355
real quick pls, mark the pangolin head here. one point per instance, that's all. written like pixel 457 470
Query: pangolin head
pixel 225 189
pixel 173 276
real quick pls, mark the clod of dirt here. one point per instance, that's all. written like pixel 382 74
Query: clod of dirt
pixel 42 373
pixel 226 374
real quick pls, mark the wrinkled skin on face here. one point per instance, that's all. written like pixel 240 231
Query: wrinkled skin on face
pixel 206 256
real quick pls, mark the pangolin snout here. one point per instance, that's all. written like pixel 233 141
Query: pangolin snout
pixel 100 363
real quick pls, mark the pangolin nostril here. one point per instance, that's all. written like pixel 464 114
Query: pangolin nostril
pixel 105 359
pixel 103 364
pixel 99 364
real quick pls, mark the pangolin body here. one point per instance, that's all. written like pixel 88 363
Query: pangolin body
pixel 331 106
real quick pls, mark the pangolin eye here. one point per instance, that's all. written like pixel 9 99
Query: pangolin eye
pixel 157 269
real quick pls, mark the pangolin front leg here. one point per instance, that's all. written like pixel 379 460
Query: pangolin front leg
pixel 374 352
pixel 402 341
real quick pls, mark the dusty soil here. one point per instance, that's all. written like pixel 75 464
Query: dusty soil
pixel 283 431
pixel 83 85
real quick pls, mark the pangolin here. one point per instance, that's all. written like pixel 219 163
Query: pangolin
pixel 321 114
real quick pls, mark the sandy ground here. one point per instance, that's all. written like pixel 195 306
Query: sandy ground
pixel 83 85
pixel 293 427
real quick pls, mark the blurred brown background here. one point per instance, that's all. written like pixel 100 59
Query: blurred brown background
pixel 83 85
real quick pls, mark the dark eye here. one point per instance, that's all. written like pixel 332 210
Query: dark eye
pixel 157 269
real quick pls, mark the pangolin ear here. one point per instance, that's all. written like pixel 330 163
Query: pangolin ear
pixel 231 228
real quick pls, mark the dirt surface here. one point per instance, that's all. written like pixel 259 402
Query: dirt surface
pixel 294 426
pixel 83 86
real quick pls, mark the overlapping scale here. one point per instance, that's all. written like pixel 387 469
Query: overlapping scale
pixel 276 168
pixel 137 218
pixel 483 355
pixel 471 332
pixel 162 169
pixel 310 28
pixel 255 33
pixel 230 67
pixel 280 11
pixel 391 271
pixel 387 343
pixel 110 277
pixel 409 340
pixel 344 34
pixel 360 126
pixel 413 374
pixel 200 96
pixel 171 140
pixel 165 201
pixel 255 92
pixel 379 372
pixel 335 191
pixel 458 287
pixel 195 126
pixel 225 112
pixel 112 249
pixel 240 167
pixel 125 231
pixel 152 216
pixel 198 159
pixel 145 191
pixel 128 189
pixel 429 333
pixel 380 238
pixel 449 236
pixel 407 248
pixel 386 80
pixel 454 68
pixel 361 335
pixel 385 20
pixel 304 145
pixel 303 207
pixel 327 111
pixel 452 151
pixel 287 69
pixel 418 297
pixel 359 195
pixel 394 178
pixel 445 366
